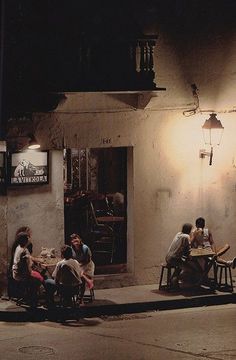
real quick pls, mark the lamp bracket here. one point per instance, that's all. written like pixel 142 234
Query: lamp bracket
pixel 203 153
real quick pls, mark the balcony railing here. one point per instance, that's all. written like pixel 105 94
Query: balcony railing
pixel 89 66
pixel 114 66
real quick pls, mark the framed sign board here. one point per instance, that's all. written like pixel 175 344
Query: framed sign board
pixel 28 168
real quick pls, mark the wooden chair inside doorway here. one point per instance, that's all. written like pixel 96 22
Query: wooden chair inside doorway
pixel 102 236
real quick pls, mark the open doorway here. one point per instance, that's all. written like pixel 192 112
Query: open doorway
pixel 95 193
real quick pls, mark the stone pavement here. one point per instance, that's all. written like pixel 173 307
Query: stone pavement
pixel 115 301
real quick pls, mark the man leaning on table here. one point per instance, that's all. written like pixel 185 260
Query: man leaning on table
pixel 178 255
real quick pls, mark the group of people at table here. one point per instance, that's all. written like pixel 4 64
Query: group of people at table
pixel 76 258
pixel 188 268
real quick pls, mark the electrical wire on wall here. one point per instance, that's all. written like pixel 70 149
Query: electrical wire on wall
pixel 196 105
pixel 196 108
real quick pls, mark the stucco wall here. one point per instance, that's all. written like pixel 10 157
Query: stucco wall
pixel 39 207
pixel 171 184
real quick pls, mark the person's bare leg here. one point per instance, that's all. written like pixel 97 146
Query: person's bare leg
pixel 82 291
pixel 88 280
pixel 223 250
pixel 230 263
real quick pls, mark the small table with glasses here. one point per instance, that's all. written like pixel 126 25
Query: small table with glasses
pixel 48 263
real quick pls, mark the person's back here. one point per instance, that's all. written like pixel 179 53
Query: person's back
pixel 179 248
pixel 67 270
pixel 68 273
pixel 201 236
pixel 21 260
pixel 178 253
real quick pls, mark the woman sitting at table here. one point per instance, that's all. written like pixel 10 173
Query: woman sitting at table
pixel 22 261
pixel 202 237
pixel 83 255
pixel 22 229
pixel 29 246
pixel 22 266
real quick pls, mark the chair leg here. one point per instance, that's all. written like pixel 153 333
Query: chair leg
pixel 170 272
pixel 112 250
pixel 74 301
pixel 89 297
pixel 226 277
pixel 161 278
pixel 220 278
pixel 215 271
pixel 228 273
pixel 231 280
pixel 92 294
pixel 168 278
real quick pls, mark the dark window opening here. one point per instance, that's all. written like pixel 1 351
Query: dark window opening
pixel 95 189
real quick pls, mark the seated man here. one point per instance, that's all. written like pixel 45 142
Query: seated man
pixel 70 277
pixel 178 254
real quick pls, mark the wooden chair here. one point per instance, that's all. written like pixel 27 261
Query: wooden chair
pixel 89 295
pixel 223 272
pixel 102 207
pixel 103 238
pixel 24 291
pixel 68 294
pixel 167 272
pixel 224 277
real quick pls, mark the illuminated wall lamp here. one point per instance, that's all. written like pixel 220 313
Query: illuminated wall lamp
pixel 212 134
pixel 33 144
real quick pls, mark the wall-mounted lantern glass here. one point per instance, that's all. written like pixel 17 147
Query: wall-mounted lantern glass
pixel 212 133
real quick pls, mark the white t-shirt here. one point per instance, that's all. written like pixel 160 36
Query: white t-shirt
pixel 201 238
pixel 70 277
pixel 18 272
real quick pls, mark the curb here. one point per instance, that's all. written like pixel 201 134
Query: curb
pixel 62 314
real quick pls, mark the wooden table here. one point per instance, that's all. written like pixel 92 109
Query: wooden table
pixel 48 263
pixel 202 252
pixel 209 257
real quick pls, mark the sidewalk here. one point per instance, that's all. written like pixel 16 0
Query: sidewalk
pixel 115 301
